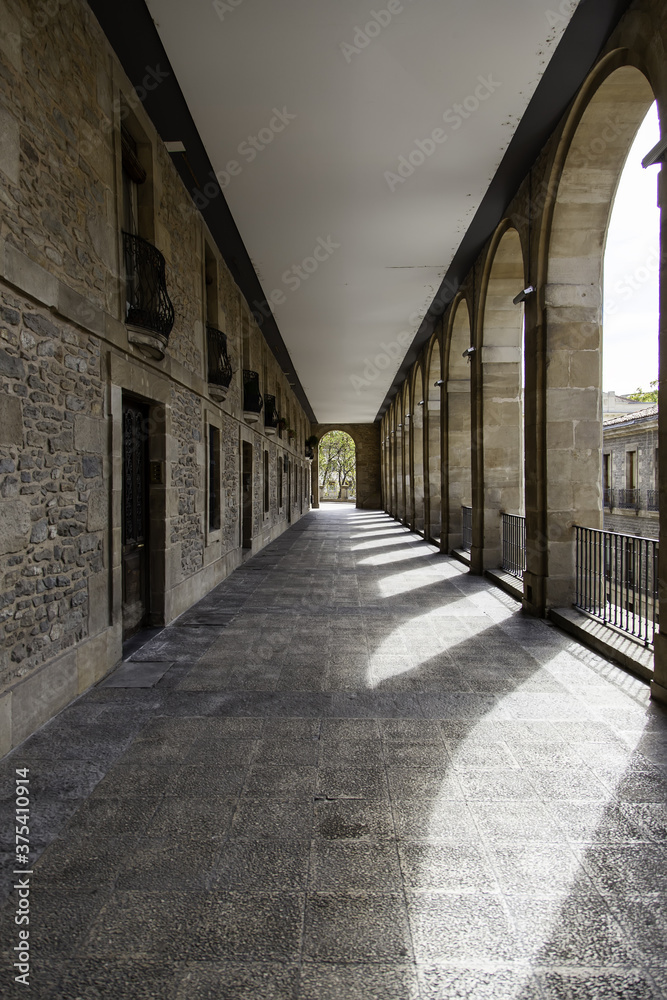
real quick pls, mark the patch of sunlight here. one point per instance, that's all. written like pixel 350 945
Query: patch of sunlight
pixel 392 658
pixel 418 552
pixel 380 543
pixel 413 579
pixel 474 758
pixel 398 530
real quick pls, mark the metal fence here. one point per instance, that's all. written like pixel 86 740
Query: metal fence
pixel 466 517
pixel 514 544
pixel 617 580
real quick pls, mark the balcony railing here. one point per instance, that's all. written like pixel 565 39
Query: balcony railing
pixel 219 366
pixel 626 499
pixel 514 544
pixel 652 500
pixel 466 519
pixel 252 397
pixel 617 580
pixel 148 304
pixel 631 499
pixel 271 416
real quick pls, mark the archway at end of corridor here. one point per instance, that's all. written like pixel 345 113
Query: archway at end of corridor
pixel 337 467
pixel 364 480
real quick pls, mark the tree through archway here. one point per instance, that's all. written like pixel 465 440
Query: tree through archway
pixel 337 466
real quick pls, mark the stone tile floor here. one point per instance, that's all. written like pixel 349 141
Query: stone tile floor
pixel 359 773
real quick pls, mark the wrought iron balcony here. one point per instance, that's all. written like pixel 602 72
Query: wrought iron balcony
pixel 627 499
pixel 148 306
pixel 220 369
pixel 652 500
pixel 252 397
pixel 271 417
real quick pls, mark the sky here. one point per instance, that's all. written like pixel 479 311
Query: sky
pixel 630 309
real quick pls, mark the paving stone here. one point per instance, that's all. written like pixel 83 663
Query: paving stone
pixel 354 867
pixel 342 928
pixel 262 866
pixel 271 818
pixel 358 982
pixel 448 776
pixel 237 981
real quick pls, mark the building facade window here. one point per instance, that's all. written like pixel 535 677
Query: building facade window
pixel 213 478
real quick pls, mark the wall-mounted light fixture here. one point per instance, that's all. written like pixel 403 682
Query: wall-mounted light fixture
pixel 407 416
pixel 440 382
pixel 523 295
pixel 399 426
pixel 656 155
pixel 420 403
pixel 468 353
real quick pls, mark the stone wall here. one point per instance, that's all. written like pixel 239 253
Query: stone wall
pixel 52 485
pixel 66 362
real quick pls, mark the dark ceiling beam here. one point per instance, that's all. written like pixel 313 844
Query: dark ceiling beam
pixel 587 32
pixel 133 36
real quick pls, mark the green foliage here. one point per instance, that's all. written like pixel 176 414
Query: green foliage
pixel 646 397
pixel 338 462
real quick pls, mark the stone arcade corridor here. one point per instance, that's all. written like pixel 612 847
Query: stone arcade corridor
pixel 351 771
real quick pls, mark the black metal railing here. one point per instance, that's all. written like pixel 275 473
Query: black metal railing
pixel 219 366
pixel 617 580
pixel 148 304
pixel 514 544
pixel 652 500
pixel 626 499
pixel 252 397
pixel 271 416
pixel 466 520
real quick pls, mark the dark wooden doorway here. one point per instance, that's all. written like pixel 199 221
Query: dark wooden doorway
pixel 289 492
pixel 136 549
pixel 246 499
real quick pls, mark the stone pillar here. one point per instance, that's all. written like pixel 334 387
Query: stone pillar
pixel 458 433
pixel 315 477
pixel 434 463
pixel 659 683
pixel 417 436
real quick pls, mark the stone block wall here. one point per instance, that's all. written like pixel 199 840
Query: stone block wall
pixel 66 362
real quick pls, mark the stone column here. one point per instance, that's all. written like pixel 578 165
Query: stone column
pixel 659 683
pixel 315 477
pixel 458 433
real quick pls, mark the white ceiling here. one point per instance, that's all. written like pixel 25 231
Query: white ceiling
pixel 324 174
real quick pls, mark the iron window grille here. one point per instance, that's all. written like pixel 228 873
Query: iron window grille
pixel 220 369
pixel 271 417
pixel 252 397
pixel 148 304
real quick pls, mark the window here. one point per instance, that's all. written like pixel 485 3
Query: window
pixel 266 482
pixel 279 467
pixel 606 471
pixel 213 478
pixel 630 470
